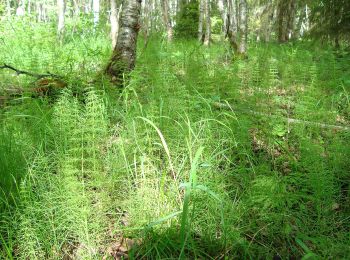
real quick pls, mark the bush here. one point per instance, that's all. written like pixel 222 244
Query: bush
pixel 187 21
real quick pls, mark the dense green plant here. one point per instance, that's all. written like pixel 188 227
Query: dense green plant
pixel 187 21
pixel 197 157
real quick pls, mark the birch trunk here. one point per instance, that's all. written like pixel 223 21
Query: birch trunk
pixel 237 28
pixel 222 6
pixel 232 24
pixel 207 36
pixel 96 12
pixel 166 19
pixel 124 54
pixel 8 8
pixel 243 27
pixel 147 4
pixel 114 18
pixel 201 20
pixel 61 8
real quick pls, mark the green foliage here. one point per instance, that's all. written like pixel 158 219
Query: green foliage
pixel 332 18
pixel 195 158
pixel 187 21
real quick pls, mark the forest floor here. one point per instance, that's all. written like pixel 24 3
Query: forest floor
pixel 198 156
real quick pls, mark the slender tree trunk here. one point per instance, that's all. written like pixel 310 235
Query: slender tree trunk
pixel 243 27
pixel 290 19
pixel 147 5
pixel 166 19
pixel 201 21
pixel 114 18
pixel 286 18
pixel 232 29
pixel 124 54
pixel 20 11
pixel 237 28
pixel 8 8
pixel 29 7
pixel 96 11
pixel 222 6
pixel 61 9
pixel 207 36
pixel 76 8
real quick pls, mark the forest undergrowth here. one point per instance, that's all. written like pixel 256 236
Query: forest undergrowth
pixel 198 156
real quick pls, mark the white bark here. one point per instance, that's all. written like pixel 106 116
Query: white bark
pixel 20 11
pixel 124 54
pixel 207 23
pixel 222 6
pixel 61 9
pixel 8 7
pixel 201 20
pixel 167 19
pixel 96 12
pixel 243 27
pixel 114 19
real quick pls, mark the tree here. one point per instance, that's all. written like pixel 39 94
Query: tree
pixel 330 19
pixel 124 54
pixel 167 19
pixel 237 26
pixel 207 36
pixel 114 18
pixel 222 7
pixel 243 27
pixel 96 11
pixel 61 9
pixel 201 20
pixel 286 17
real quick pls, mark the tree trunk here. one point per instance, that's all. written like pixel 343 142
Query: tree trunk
pixel 20 11
pixel 201 21
pixel 232 29
pixel 124 54
pixel 8 8
pixel 147 25
pixel 207 36
pixel 286 19
pixel 166 19
pixel 61 8
pixel 96 11
pixel 29 7
pixel 243 27
pixel 114 18
pixel 237 28
pixel 222 6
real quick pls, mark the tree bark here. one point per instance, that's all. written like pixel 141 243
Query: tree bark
pixel 286 19
pixel 61 8
pixel 114 18
pixel 243 27
pixel 207 36
pixel 96 12
pixel 237 26
pixel 166 19
pixel 222 7
pixel 147 23
pixel 124 54
pixel 8 8
pixel 232 29
pixel 201 21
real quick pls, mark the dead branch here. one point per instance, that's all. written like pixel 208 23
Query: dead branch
pixel 32 74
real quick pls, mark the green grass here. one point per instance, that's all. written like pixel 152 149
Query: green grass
pixel 178 163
